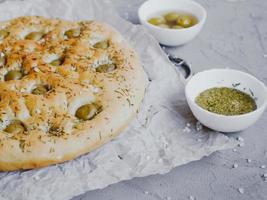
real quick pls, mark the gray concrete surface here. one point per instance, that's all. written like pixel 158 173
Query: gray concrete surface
pixel 235 36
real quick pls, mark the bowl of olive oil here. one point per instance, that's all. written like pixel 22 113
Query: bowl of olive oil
pixel 226 100
pixel 172 22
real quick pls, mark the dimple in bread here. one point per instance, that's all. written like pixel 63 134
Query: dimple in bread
pixel 66 88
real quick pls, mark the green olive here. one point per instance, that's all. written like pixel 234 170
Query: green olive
pixel 34 36
pixel 57 62
pixel 73 33
pixel 185 21
pixel 156 20
pixel 13 75
pixel 87 111
pixel 40 89
pixel 106 68
pixel 171 17
pixel 176 27
pixel 102 45
pixel 3 34
pixel 15 127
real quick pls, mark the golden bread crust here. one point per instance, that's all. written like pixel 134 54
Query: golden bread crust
pixel 73 83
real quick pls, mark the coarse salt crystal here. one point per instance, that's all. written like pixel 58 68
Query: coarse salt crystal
pixel 263 166
pixel 191 197
pixel 241 190
pixel 249 160
pixel 36 177
pixel 234 150
pixel 199 139
pixel 186 130
pixel 188 124
pixel 199 126
pixel 95 89
pixel 235 165
pixel 160 160
pixel 240 139
pixel 146 192
pixel 265 175
pixel 36 69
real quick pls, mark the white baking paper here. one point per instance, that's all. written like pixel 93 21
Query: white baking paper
pixel 162 136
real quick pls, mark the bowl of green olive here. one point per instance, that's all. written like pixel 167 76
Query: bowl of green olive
pixel 172 22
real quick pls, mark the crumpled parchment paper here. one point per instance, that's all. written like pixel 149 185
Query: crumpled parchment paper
pixel 162 136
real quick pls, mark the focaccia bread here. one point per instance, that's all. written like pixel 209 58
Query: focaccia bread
pixel 66 88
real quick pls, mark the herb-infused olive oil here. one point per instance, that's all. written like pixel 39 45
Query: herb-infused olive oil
pixel 173 20
pixel 226 101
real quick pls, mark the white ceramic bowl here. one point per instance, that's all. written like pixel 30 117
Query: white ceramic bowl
pixel 226 78
pixel 172 37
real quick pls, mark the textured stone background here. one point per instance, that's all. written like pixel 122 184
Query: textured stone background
pixel 234 36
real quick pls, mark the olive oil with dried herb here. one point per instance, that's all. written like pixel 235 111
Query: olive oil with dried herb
pixel 226 101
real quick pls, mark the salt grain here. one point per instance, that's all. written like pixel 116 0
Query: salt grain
pixel 186 130
pixel 42 40
pixel 263 166
pixel 188 124
pixel 191 197
pixel 146 192
pixel 249 160
pixel 95 89
pixel 235 165
pixel 36 69
pixel 234 150
pixel 241 190
pixel 199 126
pixel 264 175
pixel 240 139
pixel 199 140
